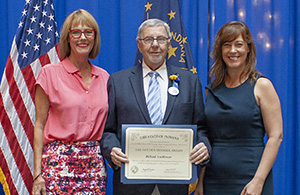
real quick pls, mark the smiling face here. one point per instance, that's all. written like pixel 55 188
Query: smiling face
pixel 83 45
pixel 235 53
pixel 154 54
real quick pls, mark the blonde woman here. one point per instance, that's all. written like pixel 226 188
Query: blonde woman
pixel 71 110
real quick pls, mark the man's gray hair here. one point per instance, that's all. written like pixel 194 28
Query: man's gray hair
pixel 153 22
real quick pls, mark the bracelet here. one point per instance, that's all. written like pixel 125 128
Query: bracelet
pixel 36 177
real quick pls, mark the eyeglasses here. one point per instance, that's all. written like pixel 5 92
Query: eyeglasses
pixel 88 33
pixel 150 40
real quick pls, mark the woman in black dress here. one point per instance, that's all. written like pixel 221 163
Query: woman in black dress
pixel 241 107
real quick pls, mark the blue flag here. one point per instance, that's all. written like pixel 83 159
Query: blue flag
pixel 179 53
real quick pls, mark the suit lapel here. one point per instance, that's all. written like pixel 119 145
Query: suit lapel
pixel 170 99
pixel 136 80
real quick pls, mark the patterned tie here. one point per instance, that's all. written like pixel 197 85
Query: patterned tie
pixel 154 100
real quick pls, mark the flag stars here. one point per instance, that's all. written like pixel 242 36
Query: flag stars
pixel 172 15
pixel 37 30
pixel 39 35
pixel 20 24
pixel 194 70
pixel 33 19
pixel 27 42
pixel 48 41
pixel 44 13
pixel 171 51
pixel 29 31
pixel 36 47
pixel 148 6
pixel 24 55
pixel 42 24
pixel 184 40
pixel 51 17
pixel 45 2
pixel 49 28
pixel 24 12
pixel 36 8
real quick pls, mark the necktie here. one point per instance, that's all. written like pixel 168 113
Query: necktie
pixel 154 100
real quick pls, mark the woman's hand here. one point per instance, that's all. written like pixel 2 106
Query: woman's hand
pixel 254 187
pixel 39 187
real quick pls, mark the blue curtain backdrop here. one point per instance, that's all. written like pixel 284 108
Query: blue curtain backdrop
pixel 274 25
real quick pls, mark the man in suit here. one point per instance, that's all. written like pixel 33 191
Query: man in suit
pixel 128 98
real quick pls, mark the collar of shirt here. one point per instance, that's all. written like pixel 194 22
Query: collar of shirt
pixel 162 71
pixel 70 68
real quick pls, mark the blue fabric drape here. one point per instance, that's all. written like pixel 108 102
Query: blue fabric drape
pixel 275 27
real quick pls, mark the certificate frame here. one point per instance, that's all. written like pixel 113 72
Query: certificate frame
pixel 127 130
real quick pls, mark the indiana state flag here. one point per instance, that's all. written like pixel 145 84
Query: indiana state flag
pixel 179 53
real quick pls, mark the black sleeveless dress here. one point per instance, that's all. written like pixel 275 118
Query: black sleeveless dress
pixel 236 132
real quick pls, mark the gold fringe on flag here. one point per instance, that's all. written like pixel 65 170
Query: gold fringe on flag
pixel 192 187
pixel 4 182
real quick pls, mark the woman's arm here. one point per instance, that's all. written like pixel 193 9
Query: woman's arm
pixel 269 103
pixel 42 107
pixel 199 188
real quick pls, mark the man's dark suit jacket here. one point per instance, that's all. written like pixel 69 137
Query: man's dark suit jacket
pixel 127 105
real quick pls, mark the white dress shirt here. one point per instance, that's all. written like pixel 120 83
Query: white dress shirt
pixel 163 83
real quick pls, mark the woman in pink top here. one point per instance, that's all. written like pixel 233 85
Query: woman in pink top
pixel 71 109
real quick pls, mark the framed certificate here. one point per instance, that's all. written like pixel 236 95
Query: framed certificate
pixel 158 154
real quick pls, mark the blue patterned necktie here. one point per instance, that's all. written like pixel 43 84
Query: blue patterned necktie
pixel 154 100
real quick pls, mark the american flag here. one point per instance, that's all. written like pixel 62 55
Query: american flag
pixel 35 45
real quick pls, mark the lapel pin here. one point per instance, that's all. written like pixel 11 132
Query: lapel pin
pixel 175 81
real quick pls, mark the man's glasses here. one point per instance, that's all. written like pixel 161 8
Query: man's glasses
pixel 150 40
pixel 88 33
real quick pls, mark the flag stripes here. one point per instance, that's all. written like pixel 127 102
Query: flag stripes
pixel 14 116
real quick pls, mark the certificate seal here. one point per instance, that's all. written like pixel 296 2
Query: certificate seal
pixel 173 91
pixel 134 169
